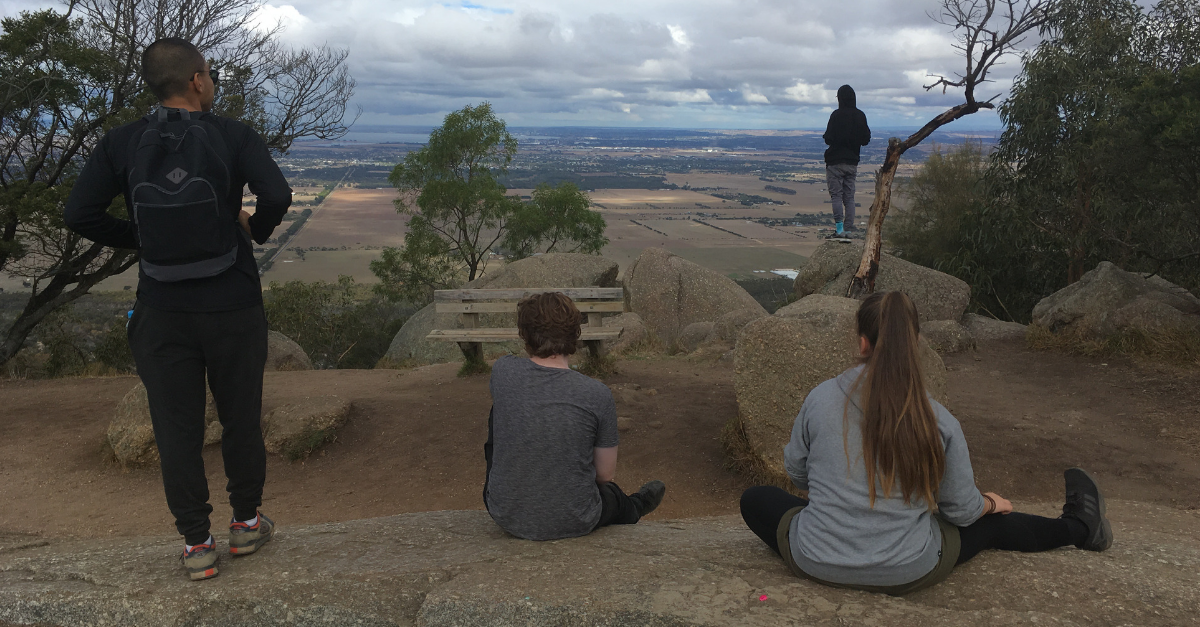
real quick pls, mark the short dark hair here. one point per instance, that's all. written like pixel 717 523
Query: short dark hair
pixel 549 323
pixel 169 64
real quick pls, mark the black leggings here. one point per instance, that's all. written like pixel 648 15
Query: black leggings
pixel 763 508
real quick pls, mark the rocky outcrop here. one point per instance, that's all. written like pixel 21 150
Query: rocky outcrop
pixel 409 346
pixel 1108 300
pixel 781 358
pixel 284 354
pixel 437 569
pixel 985 329
pixel 670 292
pixel 937 295
pixel 692 336
pixel 130 435
pixel 726 328
pixel 816 303
pixel 947 336
pixel 300 427
pixel 633 332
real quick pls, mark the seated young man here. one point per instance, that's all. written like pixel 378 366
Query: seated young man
pixel 552 436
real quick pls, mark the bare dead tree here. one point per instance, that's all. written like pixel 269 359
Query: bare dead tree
pixel 77 74
pixel 306 96
pixel 988 31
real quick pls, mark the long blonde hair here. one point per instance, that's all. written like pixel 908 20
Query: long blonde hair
pixel 901 441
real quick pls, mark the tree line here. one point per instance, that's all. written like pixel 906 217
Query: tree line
pixel 1099 160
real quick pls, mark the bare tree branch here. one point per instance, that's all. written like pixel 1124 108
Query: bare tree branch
pixel 987 32
pixel 81 77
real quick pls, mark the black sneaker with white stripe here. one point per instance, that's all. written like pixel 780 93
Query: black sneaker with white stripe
pixel 1085 503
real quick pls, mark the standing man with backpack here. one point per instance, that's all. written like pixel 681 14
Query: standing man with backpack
pixel 199 314
pixel 846 132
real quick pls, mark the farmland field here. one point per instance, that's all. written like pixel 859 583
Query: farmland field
pixel 347 231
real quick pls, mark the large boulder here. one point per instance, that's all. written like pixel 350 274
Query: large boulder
pixel 947 336
pixel 692 336
pixel 1109 300
pixel 670 292
pixel 633 332
pixel 937 295
pixel 815 303
pixel 726 328
pixel 984 329
pixel 284 354
pixel 130 435
pixel 781 358
pixel 457 568
pixel 544 271
pixel 298 428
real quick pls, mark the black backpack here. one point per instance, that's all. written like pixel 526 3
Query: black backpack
pixel 179 186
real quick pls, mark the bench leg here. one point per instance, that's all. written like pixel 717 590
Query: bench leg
pixel 595 348
pixel 472 351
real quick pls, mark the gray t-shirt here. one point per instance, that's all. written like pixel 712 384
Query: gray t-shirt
pixel 545 424
pixel 839 537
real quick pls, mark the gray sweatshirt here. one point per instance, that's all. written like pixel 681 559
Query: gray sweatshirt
pixel 839 537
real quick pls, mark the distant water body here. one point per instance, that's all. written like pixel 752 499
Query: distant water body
pixel 383 134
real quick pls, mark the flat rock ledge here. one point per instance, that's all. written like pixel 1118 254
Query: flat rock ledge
pixel 457 568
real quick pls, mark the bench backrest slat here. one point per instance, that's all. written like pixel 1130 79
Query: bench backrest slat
pixel 511 307
pixel 574 293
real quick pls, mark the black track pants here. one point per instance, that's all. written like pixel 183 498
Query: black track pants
pixel 175 352
pixel 617 508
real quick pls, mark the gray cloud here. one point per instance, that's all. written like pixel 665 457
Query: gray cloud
pixel 695 63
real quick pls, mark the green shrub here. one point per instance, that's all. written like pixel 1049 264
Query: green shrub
pixel 112 349
pixel 339 325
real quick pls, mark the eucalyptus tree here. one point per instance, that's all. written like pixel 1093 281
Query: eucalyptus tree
pixel 459 213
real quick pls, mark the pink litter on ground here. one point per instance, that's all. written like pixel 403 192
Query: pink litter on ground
pixel 762 598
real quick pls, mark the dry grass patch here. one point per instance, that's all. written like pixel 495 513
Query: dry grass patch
pixel 1174 346
pixel 741 458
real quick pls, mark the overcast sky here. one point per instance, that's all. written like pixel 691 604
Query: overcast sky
pixel 665 63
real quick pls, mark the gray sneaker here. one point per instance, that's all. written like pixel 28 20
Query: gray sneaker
pixel 200 561
pixel 1085 503
pixel 244 540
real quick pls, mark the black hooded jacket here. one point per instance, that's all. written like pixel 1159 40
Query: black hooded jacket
pixel 847 130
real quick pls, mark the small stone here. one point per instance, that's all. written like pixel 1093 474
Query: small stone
pixel 654 424
pixel 652 392
pixel 624 423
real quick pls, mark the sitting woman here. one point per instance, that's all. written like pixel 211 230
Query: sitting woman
pixel 892 505
pixel 552 436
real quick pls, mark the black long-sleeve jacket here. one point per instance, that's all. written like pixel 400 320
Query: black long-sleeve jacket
pixel 106 175
pixel 847 130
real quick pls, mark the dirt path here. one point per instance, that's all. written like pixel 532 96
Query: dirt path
pixel 1027 415
pixel 414 441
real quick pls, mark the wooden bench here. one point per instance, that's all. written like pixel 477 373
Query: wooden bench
pixel 592 301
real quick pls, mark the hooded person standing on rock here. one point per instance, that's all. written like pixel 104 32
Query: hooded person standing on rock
pixel 199 313
pixel 845 134
pixel 891 501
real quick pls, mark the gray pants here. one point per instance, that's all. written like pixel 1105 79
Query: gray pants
pixel 840 180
